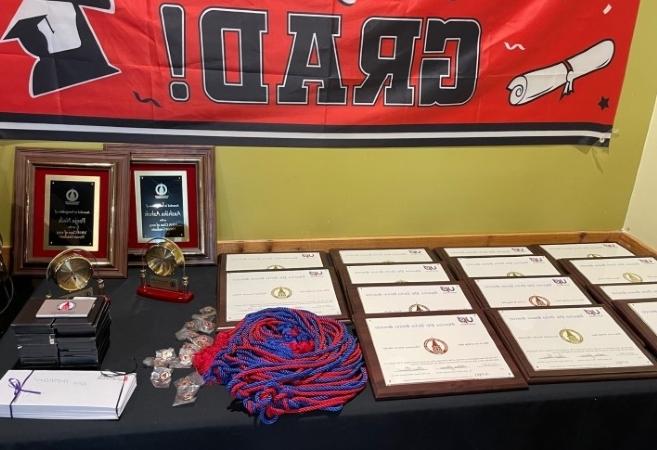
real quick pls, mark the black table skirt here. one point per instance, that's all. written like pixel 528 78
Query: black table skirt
pixel 595 415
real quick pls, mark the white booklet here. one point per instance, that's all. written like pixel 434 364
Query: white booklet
pixel 64 394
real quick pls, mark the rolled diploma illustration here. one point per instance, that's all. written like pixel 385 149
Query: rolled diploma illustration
pixel 531 85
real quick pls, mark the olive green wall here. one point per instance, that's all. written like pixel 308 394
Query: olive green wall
pixel 274 193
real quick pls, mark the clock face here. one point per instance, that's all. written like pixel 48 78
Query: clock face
pixel 72 273
pixel 164 258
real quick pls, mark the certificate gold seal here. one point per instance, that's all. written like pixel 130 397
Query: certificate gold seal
pixel 281 292
pixel 418 307
pixel 435 346
pixel 571 336
pixel 514 274
pixel 632 277
pixel 593 255
pixel 275 267
pixel 539 301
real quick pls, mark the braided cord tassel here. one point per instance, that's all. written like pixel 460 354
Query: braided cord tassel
pixel 283 361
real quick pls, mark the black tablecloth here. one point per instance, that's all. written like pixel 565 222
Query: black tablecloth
pixel 598 415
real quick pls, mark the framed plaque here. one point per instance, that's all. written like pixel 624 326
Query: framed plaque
pixel 571 344
pixel 642 316
pixel 171 196
pixel 584 250
pixel 473 252
pixel 314 290
pixel 70 199
pixel 529 292
pixel 503 266
pixel 613 293
pixel 382 256
pixel 394 273
pixel 416 298
pixel 235 262
pixel 613 270
pixel 434 354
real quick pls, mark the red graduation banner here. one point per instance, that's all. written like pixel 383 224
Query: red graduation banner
pixel 314 72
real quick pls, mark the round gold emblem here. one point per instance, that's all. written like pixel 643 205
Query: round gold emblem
pixel 632 277
pixel 281 292
pixel 539 301
pixel 435 346
pixel 417 307
pixel 571 336
pixel 593 255
pixel 514 274
pixel 275 267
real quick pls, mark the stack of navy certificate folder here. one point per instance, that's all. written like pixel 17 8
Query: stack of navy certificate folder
pixel 63 333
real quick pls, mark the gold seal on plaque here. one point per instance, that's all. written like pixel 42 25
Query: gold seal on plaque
pixel 571 336
pixel 417 307
pixel 593 255
pixel 435 346
pixel 281 292
pixel 275 267
pixel 539 301
pixel 514 274
pixel 632 277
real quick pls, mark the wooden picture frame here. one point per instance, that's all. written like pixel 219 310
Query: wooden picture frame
pixel 461 274
pixel 645 331
pixel 434 388
pixel 601 292
pixel 386 256
pixel 196 234
pixel 317 260
pixel 566 375
pixel 570 266
pixel 483 252
pixel 89 189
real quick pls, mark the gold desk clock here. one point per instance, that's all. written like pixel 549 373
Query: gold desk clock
pixel 163 274
pixel 73 272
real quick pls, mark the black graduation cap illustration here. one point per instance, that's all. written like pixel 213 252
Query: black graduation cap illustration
pixel 59 35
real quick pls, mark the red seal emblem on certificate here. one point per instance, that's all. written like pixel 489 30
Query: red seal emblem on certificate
pixel 435 346
pixel 66 306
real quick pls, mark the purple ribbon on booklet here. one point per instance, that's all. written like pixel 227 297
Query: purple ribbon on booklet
pixel 18 389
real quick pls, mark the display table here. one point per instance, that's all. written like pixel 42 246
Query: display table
pixel 596 415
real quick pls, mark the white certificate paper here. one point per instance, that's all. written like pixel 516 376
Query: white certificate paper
pixel 456 252
pixel 631 291
pixel 397 273
pixel 572 338
pixel 527 292
pixel 426 349
pixel 383 256
pixel 273 261
pixel 311 290
pixel 617 271
pixel 511 266
pixel 593 250
pixel 647 311
pixel 419 298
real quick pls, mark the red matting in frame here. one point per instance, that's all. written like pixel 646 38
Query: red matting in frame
pixel 192 202
pixel 40 174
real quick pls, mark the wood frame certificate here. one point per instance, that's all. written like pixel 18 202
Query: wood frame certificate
pixel 614 270
pixel 565 344
pixel 314 290
pixel 538 292
pixel 434 354
pixel 466 252
pixel 70 199
pixel 614 292
pixel 642 316
pixel 235 262
pixel 416 298
pixel 510 266
pixel 396 273
pixel 585 250
pixel 171 196
pixel 382 256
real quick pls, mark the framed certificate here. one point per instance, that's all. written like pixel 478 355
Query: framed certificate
pixel 417 298
pixel 634 292
pixel 473 252
pixel 539 292
pixel 395 273
pixel 171 196
pixel 314 290
pixel 642 316
pixel 382 256
pixel 434 354
pixel 613 270
pixel 584 250
pixel 570 344
pixel 70 199
pixel 504 266
pixel 235 262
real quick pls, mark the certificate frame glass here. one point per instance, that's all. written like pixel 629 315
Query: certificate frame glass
pixel 323 256
pixel 599 293
pixel 574 272
pixel 343 271
pixel 461 274
pixel 566 375
pixel 70 199
pixel 637 323
pixel 436 388
pixel 531 251
pixel 337 258
pixel 222 277
pixel 196 235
